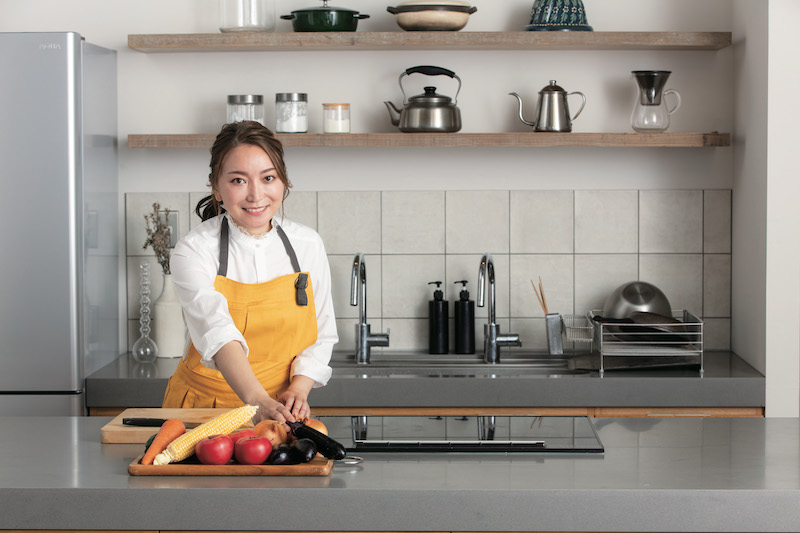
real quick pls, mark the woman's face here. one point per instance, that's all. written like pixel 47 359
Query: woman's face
pixel 249 188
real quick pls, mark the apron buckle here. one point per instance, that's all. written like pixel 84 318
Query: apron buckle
pixel 300 284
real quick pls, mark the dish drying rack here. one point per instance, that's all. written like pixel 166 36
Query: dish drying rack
pixel 680 341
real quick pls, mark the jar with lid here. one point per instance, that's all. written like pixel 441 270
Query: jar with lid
pixel 246 15
pixel 246 107
pixel 336 118
pixel 291 112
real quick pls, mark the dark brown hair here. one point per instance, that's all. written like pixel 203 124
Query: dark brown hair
pixel 233 135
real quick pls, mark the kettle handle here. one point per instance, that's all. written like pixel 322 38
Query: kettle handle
pixel 429 70
pixel 583 97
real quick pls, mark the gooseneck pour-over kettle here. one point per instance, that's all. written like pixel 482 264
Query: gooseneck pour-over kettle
pixel 430 111
pixel 552 112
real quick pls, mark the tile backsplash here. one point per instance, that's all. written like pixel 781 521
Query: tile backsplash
pixel 582 244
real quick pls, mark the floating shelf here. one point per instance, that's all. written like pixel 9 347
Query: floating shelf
pixel 443 140
pixel 425 40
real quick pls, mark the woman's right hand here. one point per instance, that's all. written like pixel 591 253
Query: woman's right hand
pixel 269 409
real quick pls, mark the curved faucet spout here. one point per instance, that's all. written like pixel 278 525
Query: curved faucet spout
pixel 486 270
pixel 358 287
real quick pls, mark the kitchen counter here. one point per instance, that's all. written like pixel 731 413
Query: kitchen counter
pixel 655 475
pixel 728 381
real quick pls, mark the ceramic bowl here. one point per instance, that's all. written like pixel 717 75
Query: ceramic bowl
pixel 432 15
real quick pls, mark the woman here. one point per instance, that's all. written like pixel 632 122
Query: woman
pixel 254 287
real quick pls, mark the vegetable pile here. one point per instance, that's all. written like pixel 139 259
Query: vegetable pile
pixel 221 441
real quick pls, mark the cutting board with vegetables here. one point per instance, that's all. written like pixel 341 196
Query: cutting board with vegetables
pixel 319 466
pixel 115 432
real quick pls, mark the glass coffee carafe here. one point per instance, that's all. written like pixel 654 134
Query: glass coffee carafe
pixel 651 114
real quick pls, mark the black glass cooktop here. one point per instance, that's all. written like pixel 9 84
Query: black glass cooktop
pixel 469 434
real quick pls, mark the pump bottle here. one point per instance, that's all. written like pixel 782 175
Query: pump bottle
pixel 438 328
pixel 465 321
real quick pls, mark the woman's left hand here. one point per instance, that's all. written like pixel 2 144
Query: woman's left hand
pixel 295 398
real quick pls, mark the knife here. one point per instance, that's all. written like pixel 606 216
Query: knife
pixel 153 422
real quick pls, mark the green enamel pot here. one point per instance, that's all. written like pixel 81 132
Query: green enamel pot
pixel 324 18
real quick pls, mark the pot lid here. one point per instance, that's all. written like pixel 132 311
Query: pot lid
pixel 430 97
pixel 552 88
pixel 432 5
pixel 324 7
pixel 435 2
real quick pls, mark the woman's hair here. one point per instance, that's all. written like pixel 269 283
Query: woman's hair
pixel 231 136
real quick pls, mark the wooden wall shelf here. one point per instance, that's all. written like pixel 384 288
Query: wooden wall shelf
pixel 423 40
pixel 443 140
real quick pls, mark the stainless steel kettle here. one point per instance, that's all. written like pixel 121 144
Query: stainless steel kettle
pixel 552 112
pixel 427 112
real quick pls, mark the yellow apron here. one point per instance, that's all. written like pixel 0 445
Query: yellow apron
pixel 277 319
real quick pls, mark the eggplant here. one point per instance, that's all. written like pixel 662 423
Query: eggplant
pixel 303 450
pixel 282 455
pixel 327 446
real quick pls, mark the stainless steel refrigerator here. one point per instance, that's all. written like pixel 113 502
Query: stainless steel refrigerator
pixel 59 270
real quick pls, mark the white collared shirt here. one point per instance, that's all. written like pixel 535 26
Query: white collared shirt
pixel 251 259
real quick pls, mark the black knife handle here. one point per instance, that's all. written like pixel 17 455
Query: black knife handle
pixel 146 422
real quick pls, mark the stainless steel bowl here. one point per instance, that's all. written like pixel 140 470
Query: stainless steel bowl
pixel 636 297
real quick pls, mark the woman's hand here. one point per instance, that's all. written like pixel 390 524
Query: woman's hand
pixel 269 409
pixel 295 398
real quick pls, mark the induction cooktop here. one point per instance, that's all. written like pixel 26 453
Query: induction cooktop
pixel 467 434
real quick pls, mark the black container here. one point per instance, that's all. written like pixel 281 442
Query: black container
pixel 465 321
pixel 438 317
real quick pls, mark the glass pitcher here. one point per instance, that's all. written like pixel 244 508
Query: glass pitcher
pixel 650 113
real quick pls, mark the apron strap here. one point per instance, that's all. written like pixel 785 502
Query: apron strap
pixel 302 278
pixel 223 248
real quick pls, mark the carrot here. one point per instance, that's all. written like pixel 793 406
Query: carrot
pixel 170 430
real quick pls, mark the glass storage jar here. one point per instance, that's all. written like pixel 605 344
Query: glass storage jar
pixel 336 118
pixel 291 112
pixel 246 15
pixel 246 107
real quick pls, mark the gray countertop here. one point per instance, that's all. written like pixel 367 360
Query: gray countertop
pixel 728 381
pixel 655 475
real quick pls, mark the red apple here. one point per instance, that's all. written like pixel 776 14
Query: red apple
pixel 252 450
pixel 214 450
pixel 241 434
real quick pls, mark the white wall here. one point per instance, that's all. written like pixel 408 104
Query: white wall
pixel 783 217
pixel 185 93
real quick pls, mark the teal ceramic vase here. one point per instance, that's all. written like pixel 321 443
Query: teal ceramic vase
pixel 558 15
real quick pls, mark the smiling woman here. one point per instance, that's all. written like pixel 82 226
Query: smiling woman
pixel 254 288
pixel 249 189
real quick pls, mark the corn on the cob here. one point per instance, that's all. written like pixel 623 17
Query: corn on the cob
pixel 223 424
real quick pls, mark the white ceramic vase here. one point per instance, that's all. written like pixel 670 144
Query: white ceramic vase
pixel 169 328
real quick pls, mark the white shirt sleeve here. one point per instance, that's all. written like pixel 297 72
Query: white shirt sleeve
pixel 313 361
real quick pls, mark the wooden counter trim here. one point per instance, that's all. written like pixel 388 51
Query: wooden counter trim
pixel 594 412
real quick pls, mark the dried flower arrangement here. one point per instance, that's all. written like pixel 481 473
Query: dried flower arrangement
pixel 158 235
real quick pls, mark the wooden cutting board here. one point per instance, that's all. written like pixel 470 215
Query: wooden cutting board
pixel 116 433
pixel 319 466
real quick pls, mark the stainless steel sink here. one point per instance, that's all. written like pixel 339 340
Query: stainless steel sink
pixel 416 365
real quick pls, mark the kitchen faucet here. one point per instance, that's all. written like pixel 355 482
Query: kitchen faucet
pixel 492 340
pixel 358 296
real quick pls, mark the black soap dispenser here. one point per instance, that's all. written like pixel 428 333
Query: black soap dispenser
pixel 438 327
pixel 465 321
